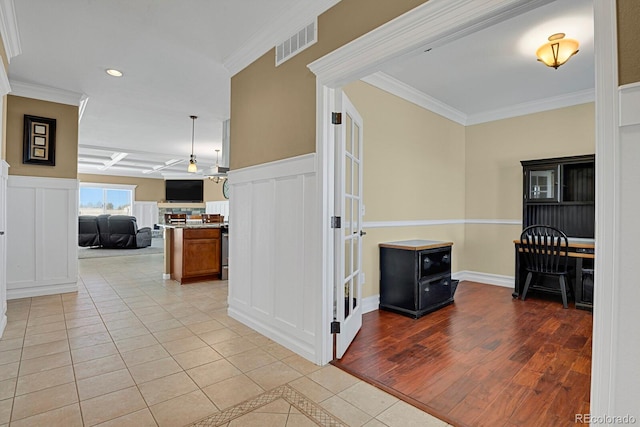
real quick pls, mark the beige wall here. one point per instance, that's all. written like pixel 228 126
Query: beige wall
pixel 147 189
pixel 413 170
pixel 421 166
pixel 628 41
pixel 212 191
pixel 273 110
pixel 151 189
pixel 494 175
pixel 66 143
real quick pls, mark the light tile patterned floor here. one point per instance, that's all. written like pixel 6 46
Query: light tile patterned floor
pixel 131 349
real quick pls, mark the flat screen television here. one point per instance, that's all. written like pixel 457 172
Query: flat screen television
pixel 184 190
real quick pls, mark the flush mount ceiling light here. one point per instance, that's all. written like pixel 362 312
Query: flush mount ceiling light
pixel 192 162
pixel 113 72
pixel 557 51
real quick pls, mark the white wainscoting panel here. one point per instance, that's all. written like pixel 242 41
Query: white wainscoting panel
pixel 4 175
pixel 42 236
pixel 274 252
pixel 146 213
pixel 220 207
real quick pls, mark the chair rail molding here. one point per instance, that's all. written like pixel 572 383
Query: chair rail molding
pixel 629 101
pixel 42 236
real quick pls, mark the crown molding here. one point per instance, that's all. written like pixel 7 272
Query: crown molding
pixel 396 87
pixel 45 93
pixel 279 29
pixel 561 101
pixel 389 84
pixel 426 25
pixel 9 29
pixel 82 106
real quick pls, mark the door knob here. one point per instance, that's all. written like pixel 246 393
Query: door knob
pixel 362 233
pixel 1 233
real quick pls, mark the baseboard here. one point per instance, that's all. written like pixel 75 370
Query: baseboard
pixel 3 324
pixel 166 276
pixel 370 303
pixel 486 278
pixel 303 349
pixel 38 291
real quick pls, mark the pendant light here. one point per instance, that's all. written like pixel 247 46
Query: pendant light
pixel 192 162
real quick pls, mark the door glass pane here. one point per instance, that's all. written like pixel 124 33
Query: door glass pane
pixel 356 179
pixel 118 202
pixel 90 201
pixel 347 175
pixel 542 184
pixel 348 217
pixel 347 139
pixel 347 298
pixel 347 258
pixel 354 290
pixel 356 141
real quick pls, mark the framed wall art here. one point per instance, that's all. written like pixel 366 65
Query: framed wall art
pixel 39 141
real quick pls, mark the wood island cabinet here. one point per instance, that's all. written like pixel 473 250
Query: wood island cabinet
pixel 195 254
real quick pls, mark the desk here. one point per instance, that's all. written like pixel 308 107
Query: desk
pixel 580 250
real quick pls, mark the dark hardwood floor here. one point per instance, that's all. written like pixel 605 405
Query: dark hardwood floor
pixel 486 360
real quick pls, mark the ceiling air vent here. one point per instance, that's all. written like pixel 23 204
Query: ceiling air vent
pixel 298 42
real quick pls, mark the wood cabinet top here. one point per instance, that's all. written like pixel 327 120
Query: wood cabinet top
pixel 415 245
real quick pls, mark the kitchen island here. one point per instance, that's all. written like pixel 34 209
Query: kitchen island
pixel 193 252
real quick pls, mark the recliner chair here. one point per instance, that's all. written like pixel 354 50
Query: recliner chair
pixel 112 231
pixel 88 234
pixel 124 233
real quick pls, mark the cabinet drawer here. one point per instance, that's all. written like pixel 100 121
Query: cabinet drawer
pixel 434 292
pixel 435 262
pixel 201 233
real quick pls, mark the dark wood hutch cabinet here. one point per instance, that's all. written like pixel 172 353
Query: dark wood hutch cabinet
pixel 561 192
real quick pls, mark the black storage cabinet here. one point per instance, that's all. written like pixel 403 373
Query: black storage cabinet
pixel 415 276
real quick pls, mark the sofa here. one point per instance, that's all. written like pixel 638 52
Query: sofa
pixel 112 231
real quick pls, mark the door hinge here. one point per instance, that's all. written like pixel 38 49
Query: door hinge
pixel 336 118
pixel 335 327
pixel 336 222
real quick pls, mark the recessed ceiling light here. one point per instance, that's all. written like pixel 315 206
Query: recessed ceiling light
pixel 113 72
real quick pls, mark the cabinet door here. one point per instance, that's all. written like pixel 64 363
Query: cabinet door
pixel 434 292
pixel 541 184
pixel 201 257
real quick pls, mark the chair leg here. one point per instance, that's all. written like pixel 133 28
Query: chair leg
pixel 526 285
pixel 563 289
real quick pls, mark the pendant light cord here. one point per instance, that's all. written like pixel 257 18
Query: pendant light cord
pixel 193 129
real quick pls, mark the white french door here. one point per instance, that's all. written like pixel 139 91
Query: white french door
pixel 348 238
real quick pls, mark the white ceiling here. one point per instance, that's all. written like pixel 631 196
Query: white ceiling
pixel 177 59
pixel 493 73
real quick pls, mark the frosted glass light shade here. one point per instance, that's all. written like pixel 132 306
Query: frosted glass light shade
pixel 557 51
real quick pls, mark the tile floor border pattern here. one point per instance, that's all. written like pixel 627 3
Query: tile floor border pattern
pixel 299 401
